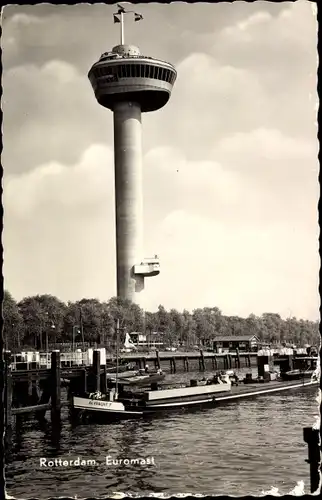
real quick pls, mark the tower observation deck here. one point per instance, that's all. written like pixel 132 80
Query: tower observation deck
pixel 128 83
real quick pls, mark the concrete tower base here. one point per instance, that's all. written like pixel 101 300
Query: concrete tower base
pixel 128 196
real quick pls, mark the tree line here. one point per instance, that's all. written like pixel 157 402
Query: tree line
pixel 44 318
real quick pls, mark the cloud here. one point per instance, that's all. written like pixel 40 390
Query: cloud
pixel 88 182
pixel 47 113
pixel 241 271
pixel 59 223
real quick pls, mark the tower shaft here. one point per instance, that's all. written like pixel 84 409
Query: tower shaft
pixel 128 196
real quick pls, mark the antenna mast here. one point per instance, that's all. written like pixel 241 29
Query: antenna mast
pixel 119 18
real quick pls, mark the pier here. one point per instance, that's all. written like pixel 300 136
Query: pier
pixel 35 387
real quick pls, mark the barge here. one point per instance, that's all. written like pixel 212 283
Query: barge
pixel 121 401
pixel 200 394
pixel 125 403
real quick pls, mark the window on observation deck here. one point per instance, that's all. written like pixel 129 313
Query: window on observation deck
pixel 146 71
pixel 121 71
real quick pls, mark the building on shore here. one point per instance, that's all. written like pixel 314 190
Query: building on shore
pixel 246 343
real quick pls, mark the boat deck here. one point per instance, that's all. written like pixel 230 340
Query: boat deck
pixel 258 388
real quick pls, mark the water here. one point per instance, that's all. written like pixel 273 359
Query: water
pixel 237 449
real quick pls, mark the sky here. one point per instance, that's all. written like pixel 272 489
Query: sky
pixel 230 163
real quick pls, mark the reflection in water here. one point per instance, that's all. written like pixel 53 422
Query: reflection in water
pixel 237 449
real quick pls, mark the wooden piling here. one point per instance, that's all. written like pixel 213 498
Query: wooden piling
pixel 173 368
pixel 84 380
pixel 201 361
pixel 55 386
pixel 8 393
pixel 97 369
pixel 29 388
pixel 103 379
pixel 311 437
pixel 237 359
pixel 45 397
pixel 158 359
pixel 37 389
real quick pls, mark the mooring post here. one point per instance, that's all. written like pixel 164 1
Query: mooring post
pixel 202 361
pixel 37 389
pixel 237 359
pixel 46 386
pixel 84 380
pixel 174 365
pixel 8 393
pixel 158 359
pixel 311 437
pixel 55 385
pixel 97 368
pixel 104 380
pixel 29 387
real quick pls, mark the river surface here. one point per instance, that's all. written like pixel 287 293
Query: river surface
pixel 241 448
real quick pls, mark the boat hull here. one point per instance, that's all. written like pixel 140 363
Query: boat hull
pixel 296 375
pixel 105 411
pixel 142 381
pixel 109 410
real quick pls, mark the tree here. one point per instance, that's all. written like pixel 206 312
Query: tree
pixel 273 326
pixel 130 315
pixel 252 326
pixel 13 326
pixel 90 313
pixel 54 314
pixel 34 319
pixel 188 329
pixel 205 326
pixel 175 331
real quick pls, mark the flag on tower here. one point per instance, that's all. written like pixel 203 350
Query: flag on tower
pixel 116 19
pixel 137 17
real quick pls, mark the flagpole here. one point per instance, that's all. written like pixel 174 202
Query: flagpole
pixel 122 28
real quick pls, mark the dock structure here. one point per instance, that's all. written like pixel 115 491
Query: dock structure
pixel 204 361
pixel 37 389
